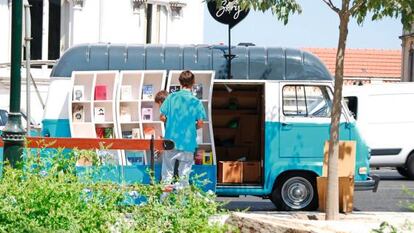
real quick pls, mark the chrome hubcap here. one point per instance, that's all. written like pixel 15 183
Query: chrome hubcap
pixel 297 192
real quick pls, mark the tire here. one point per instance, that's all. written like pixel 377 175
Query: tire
pixel 402 171
pixel 295 192
pixel 410 167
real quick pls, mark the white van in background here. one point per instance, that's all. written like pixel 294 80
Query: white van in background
pixel 385 116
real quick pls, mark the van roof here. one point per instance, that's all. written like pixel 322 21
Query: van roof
pixel 253 62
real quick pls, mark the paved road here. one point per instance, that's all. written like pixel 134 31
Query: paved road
pixel 389 197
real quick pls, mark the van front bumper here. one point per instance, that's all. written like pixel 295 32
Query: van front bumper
pixel 370 184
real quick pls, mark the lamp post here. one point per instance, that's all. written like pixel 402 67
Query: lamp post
pixel 13 132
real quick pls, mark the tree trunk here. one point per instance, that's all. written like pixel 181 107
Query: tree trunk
pixel 332 200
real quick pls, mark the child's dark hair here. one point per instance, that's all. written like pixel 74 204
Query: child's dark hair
pixel 161 96
pixel 186 78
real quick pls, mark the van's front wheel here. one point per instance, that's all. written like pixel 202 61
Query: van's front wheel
pixel 295 192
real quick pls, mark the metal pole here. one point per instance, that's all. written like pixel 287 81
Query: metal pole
pixel 13 132
pixel 27 38
pixel 229 59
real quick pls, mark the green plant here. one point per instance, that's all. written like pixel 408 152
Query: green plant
pixel 47 194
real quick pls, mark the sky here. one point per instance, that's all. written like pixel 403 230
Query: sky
pixel 316 27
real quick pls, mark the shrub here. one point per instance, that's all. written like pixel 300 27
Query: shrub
pixel 46 195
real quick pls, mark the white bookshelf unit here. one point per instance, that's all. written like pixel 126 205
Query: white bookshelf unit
pixel 92 108
pixel 203 79
pixel 138 114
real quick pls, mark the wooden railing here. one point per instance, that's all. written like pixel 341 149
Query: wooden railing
pixel 99 143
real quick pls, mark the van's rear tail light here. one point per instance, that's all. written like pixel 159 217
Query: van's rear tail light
pixel 363 171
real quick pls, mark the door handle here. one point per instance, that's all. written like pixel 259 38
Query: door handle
pixel 286 126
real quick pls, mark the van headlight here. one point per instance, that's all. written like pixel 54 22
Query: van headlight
pixel 363 171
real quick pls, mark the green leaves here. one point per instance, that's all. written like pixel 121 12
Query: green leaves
pixel 46 195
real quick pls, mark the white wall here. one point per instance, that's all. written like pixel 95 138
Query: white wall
pixel 119 24
pixel 5 31
pixel 189 28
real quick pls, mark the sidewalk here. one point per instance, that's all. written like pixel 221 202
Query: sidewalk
pixel 307 222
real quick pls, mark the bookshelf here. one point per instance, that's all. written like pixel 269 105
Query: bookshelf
pixel 92 108
pixel 203 89
pixel 137 113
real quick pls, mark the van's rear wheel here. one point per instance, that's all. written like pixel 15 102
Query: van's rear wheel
pixel 410 166
pixel 295 192
pixel 402 171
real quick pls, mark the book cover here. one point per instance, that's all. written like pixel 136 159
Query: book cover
pixel 149 131
pixel 125 114
pixel 198 158
pixel 198 90
pixel 100 92
pixel 136 133
pixel 135 157
pixel 174 88
pixel 78 93
pixel 199 138
pixel 127 134
pixel 108 132
pixel 147 114
pixel 100 132
pixel 126 92
pixel 78 113
pixel 147 92
pixel 207 158
pixel 99 114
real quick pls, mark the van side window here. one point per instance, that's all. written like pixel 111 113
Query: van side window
pixel 352 102
pixel 306 101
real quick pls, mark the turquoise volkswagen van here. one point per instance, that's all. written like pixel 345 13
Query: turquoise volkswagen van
pixel 269 122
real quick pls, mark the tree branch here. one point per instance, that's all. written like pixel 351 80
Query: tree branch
pixel 331 5
pixel 356 6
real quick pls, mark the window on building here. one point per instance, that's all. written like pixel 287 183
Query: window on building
pixel 36 12
pixel 306 101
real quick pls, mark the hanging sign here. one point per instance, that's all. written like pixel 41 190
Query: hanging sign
pixel 229 12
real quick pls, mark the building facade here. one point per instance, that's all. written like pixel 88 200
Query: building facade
pixel 57 25
pixel 408 55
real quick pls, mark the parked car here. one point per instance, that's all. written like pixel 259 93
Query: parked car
pixel 384 115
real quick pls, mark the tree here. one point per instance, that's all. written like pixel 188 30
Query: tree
pixel 358 9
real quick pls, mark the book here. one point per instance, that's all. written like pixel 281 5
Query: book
pixel 126 92
pixel 100 132
pixel 207 158
pixel 199 138
pixel 78 93
pixel 147 92
pixel 135 157
pixel 198 90
pixel 78 113
pixel 136 133
pixel 100 92
pixel 147 114
pixel 125 114
pixel 174 88
pixel 198 158
pixel 99 114
pixel 127 134
pixel 149 131
pixel 108 132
